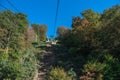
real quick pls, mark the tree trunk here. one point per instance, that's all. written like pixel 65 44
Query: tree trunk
pixel 7 49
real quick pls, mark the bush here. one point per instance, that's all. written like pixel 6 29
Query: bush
pixel 17 67
pixel 35 44
pixel 28 65
pixel 113 68
pixel 58 73
pixel 108 69
pixel 10 70
pixel 72 74
pixel 3 56
pixel 93 70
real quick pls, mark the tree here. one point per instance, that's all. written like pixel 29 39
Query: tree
pixel 22 22
pixel 40 31
pixel 13 26
pixel 76 21
pixel 94 40
pixel 30 35
pixel 62 31
pixel 109 14
pixel 17 62
pixel 92 17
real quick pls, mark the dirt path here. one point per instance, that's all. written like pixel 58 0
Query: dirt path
pixel 47 60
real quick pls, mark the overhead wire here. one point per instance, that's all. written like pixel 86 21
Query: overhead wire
pixel 3 6
pixel 8 9
pixel 7 14
pixel 14 23
pixel 13 6
pixel 56 16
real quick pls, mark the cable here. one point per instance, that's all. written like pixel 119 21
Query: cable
pixel 56 16
pixel 13 6
pixel 3 6
pixel 7 14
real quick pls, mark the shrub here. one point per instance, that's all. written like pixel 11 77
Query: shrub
pixel 58 73
pixel 72 74
pixel 17 67
pixel 3 56
pixel 113 68
pixel 93 70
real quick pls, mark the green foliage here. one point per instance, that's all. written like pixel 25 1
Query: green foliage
pixel 10 66
pixel 17 62
pixel 28 65
pixel 12 26
pixel 110 14
pixel 113 68
pixel 92 17
pixel 3 56
pixel 93 45
pixel 62 32
pixel 10 70
pixel 95 37
pixel 58 74
pixel 93 70
pixel 30 35
pixel 72 74
pixel 40 31
pixel 93 66
pixel 22 22
pixel 14 66
pixel 35 44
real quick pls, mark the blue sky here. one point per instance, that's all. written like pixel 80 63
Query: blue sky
pixel 44 11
